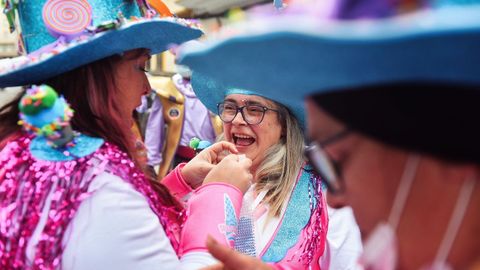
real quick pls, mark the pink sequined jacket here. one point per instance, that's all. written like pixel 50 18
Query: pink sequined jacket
pixel 96 212
pixel 295 240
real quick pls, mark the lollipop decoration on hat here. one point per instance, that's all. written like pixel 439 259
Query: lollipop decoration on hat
pixel 68 34
pixel 67 18
pixel 47 116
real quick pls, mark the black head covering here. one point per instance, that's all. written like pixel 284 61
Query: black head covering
pixel 440 119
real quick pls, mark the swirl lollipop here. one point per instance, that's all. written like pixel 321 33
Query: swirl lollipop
pixel 44 113
pixel 67 18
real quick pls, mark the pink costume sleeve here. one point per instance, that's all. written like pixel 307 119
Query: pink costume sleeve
pixel 212 210
pixel 176 184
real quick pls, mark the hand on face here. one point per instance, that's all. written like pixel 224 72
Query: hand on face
pixel 232 260
pixel 234 170
pixel 197 169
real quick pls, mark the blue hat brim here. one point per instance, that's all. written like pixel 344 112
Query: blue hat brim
pixel 211 92
pixel 288 65
pixel 155 34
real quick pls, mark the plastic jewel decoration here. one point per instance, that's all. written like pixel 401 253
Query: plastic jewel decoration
pixel 44 113
pixel 198 145
pixel 105 26
pixel 67 18
pixel 194 143
pixel 10 7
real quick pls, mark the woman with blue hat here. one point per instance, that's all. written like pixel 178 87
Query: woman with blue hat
pixel 72 194
pixel 283 218
pixel 392 107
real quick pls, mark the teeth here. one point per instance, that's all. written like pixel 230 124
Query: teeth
pixel 242 136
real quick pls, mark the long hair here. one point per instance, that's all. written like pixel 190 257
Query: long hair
pixel 92 94
pixel 283 161
pixel 9 118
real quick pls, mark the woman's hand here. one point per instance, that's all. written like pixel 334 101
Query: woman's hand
pixel 232 260
pixel 196 169
pixel 234 170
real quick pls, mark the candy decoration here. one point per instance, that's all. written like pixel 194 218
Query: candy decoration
pixel 198 145
pixel 203 144
pixel 160 7
pixel 10 11
pixel 194 143
pixel 45 114
pixel 68 18
pixel 39 98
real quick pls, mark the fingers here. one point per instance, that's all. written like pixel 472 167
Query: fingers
pixel 221 156
pixel 244 161
pixel 241 159
pixel 214 267
pixel 233 260
pixel 230 258
pixel 218 148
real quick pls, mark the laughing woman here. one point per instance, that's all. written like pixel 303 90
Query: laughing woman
pixel 284 218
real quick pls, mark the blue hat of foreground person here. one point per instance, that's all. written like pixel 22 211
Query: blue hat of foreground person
pixel 317 48
pixel 403 72
pixel 60 35
pixel 211 92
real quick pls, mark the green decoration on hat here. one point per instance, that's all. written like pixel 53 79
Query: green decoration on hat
pixel 43 98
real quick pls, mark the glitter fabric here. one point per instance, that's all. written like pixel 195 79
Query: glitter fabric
pixel 316 228
pixel 304 212
pixel 25 183
pixel 245 239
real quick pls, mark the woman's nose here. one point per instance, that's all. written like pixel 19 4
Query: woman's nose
pixel 238 120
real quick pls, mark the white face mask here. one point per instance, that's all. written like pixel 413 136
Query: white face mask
pixel 380 249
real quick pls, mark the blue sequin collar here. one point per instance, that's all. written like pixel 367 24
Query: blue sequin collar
pixel 83 146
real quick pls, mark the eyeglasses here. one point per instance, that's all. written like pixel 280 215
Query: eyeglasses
pixel 252 114
pixel 328 169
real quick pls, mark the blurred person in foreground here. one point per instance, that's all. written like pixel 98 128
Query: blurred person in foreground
pixel 392 92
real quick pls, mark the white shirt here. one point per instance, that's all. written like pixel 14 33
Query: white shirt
pixel 344 243
pixel 116 229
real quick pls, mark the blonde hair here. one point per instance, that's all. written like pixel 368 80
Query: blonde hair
pixel 282 163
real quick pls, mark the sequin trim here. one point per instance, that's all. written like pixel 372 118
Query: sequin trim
pixel 303 213
pixel 25 183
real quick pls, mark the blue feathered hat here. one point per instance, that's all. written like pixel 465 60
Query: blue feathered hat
pixel 289 55
pixel 60 35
